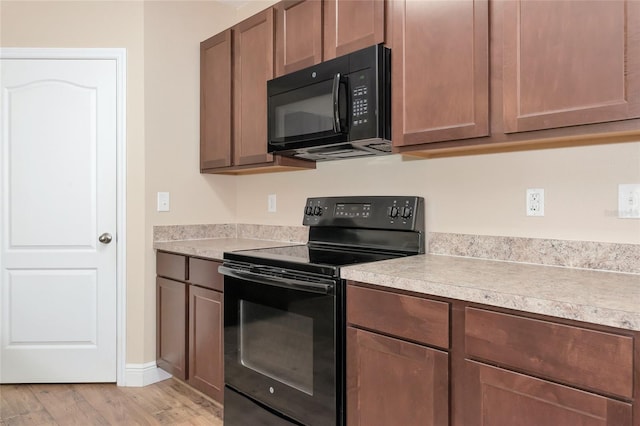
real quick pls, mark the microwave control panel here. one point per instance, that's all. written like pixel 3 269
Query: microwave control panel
pixel 360 105
pixel 362 100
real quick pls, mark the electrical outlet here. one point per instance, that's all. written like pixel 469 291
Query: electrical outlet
pixel 535 202
pixel 629 201
pixel 271 203
pixel 163 201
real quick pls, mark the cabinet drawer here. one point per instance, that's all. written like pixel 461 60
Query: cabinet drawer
pixel 171 265
pixel 413 318
pixel 573 355
pixel 205 273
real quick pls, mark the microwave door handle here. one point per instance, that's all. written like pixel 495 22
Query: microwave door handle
pixel 336 104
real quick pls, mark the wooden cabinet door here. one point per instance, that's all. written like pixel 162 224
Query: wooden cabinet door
pixel 393 382
pixel 215 101
pixel 298 35
pixel 171 327
pixel 253 66
pixel 351 25
pixel 500 397
pixel 566 63
pixel 440 77
pixel 206 371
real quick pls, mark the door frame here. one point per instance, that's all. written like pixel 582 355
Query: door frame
pixel 120 56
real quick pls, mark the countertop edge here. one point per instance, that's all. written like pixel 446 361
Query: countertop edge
pixel 526 303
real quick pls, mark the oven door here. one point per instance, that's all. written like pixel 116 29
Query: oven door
pixel 280 340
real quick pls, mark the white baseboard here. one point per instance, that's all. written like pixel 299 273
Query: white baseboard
pixel 138 375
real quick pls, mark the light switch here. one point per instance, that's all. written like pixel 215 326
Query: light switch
pixel 271 203
pixel 163 201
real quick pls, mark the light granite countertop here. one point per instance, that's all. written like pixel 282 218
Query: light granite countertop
pixel 214 248
pixel 606 298
pixel 599 297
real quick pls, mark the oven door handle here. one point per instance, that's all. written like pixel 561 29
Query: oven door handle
pixel 289 283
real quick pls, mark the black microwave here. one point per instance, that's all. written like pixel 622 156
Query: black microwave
pixel 337 109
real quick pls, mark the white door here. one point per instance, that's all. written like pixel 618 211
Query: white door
pixel 58 196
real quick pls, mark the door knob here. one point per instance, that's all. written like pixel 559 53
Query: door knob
pixel 105 238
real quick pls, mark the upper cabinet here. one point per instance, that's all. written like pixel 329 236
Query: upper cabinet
pixel 567 63
pixel 440 71
pixel 253 66
pixel 553 73
pixel 298 35
pixel 351 25
pixel 215 101
pixel 311 31
pixel 234 69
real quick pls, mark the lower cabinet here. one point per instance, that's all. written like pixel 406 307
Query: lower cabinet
pixel 530 372
pixel 395 376
pixel 416 361
pixel 190 321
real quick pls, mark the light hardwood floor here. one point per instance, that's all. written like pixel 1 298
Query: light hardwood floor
pixel 169 402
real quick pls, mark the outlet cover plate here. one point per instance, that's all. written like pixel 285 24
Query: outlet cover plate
pixel 629 201
pixel 535 202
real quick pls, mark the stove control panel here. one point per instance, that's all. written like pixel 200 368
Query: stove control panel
pixel 374 212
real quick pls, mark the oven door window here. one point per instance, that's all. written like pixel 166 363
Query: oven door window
pixel 277 344
pixel 280 348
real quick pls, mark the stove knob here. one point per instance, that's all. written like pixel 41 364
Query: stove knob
pixel 406 212
pixel 308 210
pixel 317 211
pixel 393 212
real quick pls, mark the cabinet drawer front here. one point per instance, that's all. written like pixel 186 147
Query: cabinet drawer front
pixel 408 317
pixel 205 273
pixel 574 355
pixel 171 265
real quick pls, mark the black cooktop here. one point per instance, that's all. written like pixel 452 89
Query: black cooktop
pixel 326 261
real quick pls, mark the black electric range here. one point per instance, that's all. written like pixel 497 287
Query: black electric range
pixel 284 309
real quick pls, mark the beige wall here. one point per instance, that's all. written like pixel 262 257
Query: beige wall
pixel 483 194
pixel 476 195
pixel 173 31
